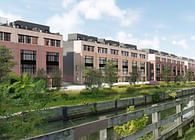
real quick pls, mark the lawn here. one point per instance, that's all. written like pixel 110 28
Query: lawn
pixel 189 135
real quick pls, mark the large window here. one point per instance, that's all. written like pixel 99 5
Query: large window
pixel 115 62
pixel 133 54
pixel 142 56
pixel 88 48
pixel 142 67
pixel 28 55
pixel 57 43
pixel 125 66
pixel 88 61
pixel 52 42
pixel 21 38
pixel 157 58
pixel 28 61
pixel 115 52
pixel 125 53
pixel 52 62
pixel 102 62
pixel 102 50
pixel 1 35
pixel 28 39
pixel 7 36
pixel 164 59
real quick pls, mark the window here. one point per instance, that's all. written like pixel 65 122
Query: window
pixel 124 53
pixel 115 62
pixel 21 38
pixel 46 42
pixel 28 39
pixel 125 66
pixel 142 56
pixel 52 42
pixel 102 50
pixel 28 55
pixel 7 36
pixel 102 62
pixel 52 57
pixel 34 40
pixel 174 70
pixel 134 63
pixel 163 59
pixel 88 48
pixel 89 61
pixel 57 43
pixel 157 58
pixel 174 61
pixel 28 61
pixel 115 52
pixel 52 62
pixel 178 62
pixel 28 68
pixel 158 68
pixel 1 35
pixel 169 60
pixel 133 54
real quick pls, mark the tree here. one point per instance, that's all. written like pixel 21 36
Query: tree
pixel 110 73
pixel 93 78
pixel 134 75
pixel 166 74
pixel 189 75
pixel 57 78
pixel 26 93
pixel 41 74
pixel 6 63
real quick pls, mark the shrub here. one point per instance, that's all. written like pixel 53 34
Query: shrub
pixel 173 94
pixel 156 96
pixel 85 92
pixel 130 90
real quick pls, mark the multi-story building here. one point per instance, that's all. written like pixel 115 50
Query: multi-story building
pixel 159 60
pixel 33 46
pixel 82 51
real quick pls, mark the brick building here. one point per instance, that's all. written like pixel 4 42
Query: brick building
pixel 82 51
pixel 33 47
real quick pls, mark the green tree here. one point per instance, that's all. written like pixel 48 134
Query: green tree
pixel 110 73
pixel 41 74
pixel 134 75
pixel 26 93
pixel 93 78
pixel 166 74
pixel 6 62
pixel 57 78
pixel 189 75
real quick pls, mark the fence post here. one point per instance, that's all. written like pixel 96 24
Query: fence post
pixel 156 118
pixel 179 119
pixel 193 111
pixel 103 133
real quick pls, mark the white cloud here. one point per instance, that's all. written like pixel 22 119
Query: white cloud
pixel 154 43
pixel 9 16
pixel 192 37
pixel 97 9
pixel 67 3
pixel 182 43
pixel 163 38
pixel 72 19
pixel 141 43
pixel 65 23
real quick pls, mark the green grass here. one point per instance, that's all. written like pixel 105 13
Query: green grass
pixel 61 98
pixel 189 135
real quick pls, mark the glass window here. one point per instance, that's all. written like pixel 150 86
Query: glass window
pixel 102 50
pixel 21 38
pixel 133 54
pixel 89 61
pixel 28 55
pixel 115 52
pixel 52 57
pixel 124 53
pixel 1 35
pixel 57 43
pixel 157 58
pixel 7 36
pixel 28 39
pixel 142 56
pixel 125 66
pixel 88 48
pixel 52 42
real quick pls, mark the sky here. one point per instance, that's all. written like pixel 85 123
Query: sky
pixel 165 25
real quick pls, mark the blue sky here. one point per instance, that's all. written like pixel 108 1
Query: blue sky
pixel 166 25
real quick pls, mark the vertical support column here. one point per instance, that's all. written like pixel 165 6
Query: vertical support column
pixel 193 111
pixel 103 133
pixel 156 118
pixel 179 119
